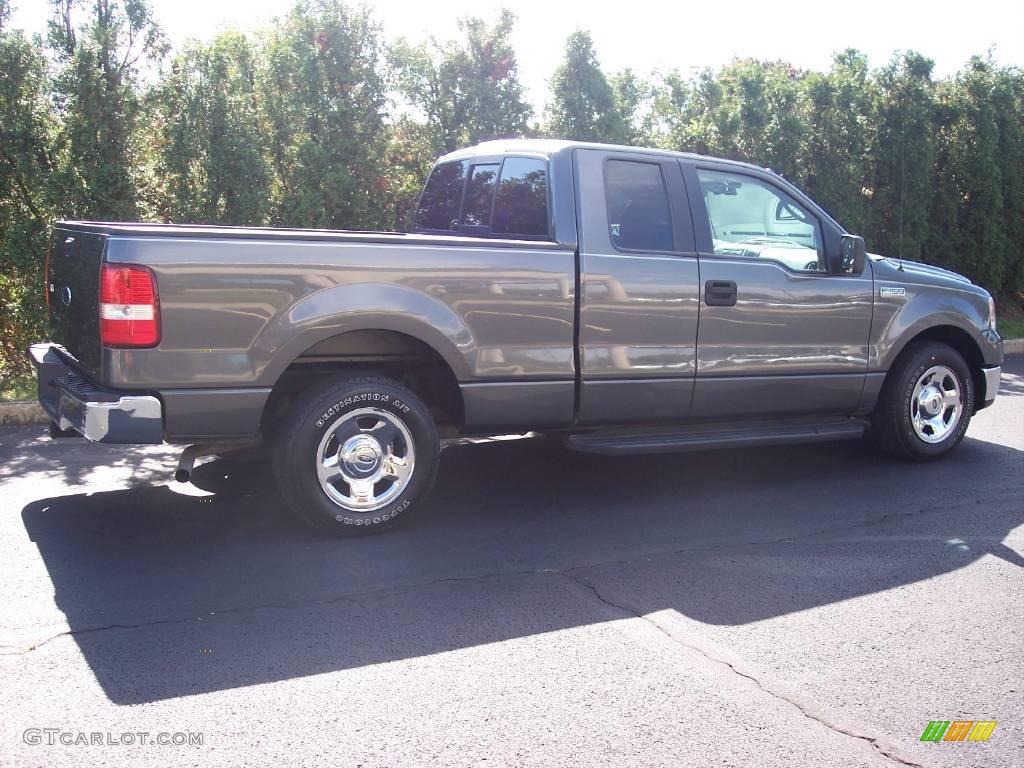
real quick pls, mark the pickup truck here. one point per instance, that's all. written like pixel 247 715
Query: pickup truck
pixel 623 300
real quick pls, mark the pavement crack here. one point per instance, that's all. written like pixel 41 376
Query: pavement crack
pixel 818 717
pixel 11 650
pixel 355 598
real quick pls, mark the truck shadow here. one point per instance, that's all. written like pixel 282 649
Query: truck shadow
pixel 742 535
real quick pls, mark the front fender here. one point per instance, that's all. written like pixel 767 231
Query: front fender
pixel 365 306
pixel 898 320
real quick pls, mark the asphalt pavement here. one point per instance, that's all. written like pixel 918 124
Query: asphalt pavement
pixel 802 606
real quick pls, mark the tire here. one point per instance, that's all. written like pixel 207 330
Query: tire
pixel 337 438
pixel 910 421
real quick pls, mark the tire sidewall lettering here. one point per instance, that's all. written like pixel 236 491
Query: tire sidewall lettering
pixel 361 400
pixel 374 518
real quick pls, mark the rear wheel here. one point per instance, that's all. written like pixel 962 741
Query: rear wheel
pixel 356 456
pixel 926 403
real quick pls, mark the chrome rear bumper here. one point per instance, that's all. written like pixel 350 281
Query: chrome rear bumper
pixel 98 414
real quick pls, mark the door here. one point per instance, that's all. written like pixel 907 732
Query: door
pixel 780 334
pixel 638 289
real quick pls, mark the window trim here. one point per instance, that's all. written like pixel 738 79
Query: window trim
pixel 781 192
pixel 660 164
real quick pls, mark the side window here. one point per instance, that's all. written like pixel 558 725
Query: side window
pixel 439 204
pixel 521 203
pixel 463 197
pixel 638 210
pixel 480 195
pixel 753 219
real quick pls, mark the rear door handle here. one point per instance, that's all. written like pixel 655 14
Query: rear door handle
pixel 720 293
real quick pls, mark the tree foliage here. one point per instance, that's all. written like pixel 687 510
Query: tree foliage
pixel 98 92
pixel 26 164
pixel 324 96
pixel 840 132
pixel 467 91
pixel 633 97
pixel 211 154
pixel 904 154
pixel 319 121
pixel 582 100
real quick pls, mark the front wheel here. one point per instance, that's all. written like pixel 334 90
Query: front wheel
pixel 926 403
pixel 357 455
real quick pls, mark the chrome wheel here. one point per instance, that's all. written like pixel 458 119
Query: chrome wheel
pixel 937 404
pixel 365 459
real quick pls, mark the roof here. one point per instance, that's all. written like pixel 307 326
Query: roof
pixel 549 147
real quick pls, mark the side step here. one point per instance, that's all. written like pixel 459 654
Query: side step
pixel 701 437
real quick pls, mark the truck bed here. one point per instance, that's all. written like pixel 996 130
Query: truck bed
pixel 240 305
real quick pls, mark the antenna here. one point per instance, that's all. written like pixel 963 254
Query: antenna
pixel 903 183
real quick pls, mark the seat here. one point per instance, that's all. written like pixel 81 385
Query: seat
pixel 644 227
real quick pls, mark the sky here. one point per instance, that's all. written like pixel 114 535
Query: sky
pixel 648 35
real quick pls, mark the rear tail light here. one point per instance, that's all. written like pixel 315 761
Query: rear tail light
pixel 129 307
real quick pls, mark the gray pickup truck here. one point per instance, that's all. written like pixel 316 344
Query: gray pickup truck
pixel 624 300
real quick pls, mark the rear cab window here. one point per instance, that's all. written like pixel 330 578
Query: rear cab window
pixel 487 198
pixel 439 204
pixel 521 202
pixel 476 210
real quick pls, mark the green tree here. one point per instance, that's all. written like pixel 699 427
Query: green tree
pixel 323 100
pixel 407 160
pixel 98 95
pixel 904 156
pixel 634 98
pixel 212 155
pixel 583 104
pixel 1008 100
pixel 674 114
pixel 979 161
pixel 26 134
pixel 467 91
pixel 756 115
pixel 943 243
pixel 749 110
pixel 840 106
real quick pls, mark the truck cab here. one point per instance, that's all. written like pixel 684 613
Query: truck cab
pixel 709 289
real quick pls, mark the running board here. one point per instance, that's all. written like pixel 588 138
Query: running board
pixel 701 437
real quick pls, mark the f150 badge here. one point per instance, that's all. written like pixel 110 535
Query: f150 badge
pixel 888 290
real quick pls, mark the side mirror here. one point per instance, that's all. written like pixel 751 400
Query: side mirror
pixel 851 255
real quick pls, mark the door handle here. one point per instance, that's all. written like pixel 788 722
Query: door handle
pixel 720 293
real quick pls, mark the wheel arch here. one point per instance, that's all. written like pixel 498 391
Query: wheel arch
pixel 952 336
pixel 398 355
pixel 362 307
